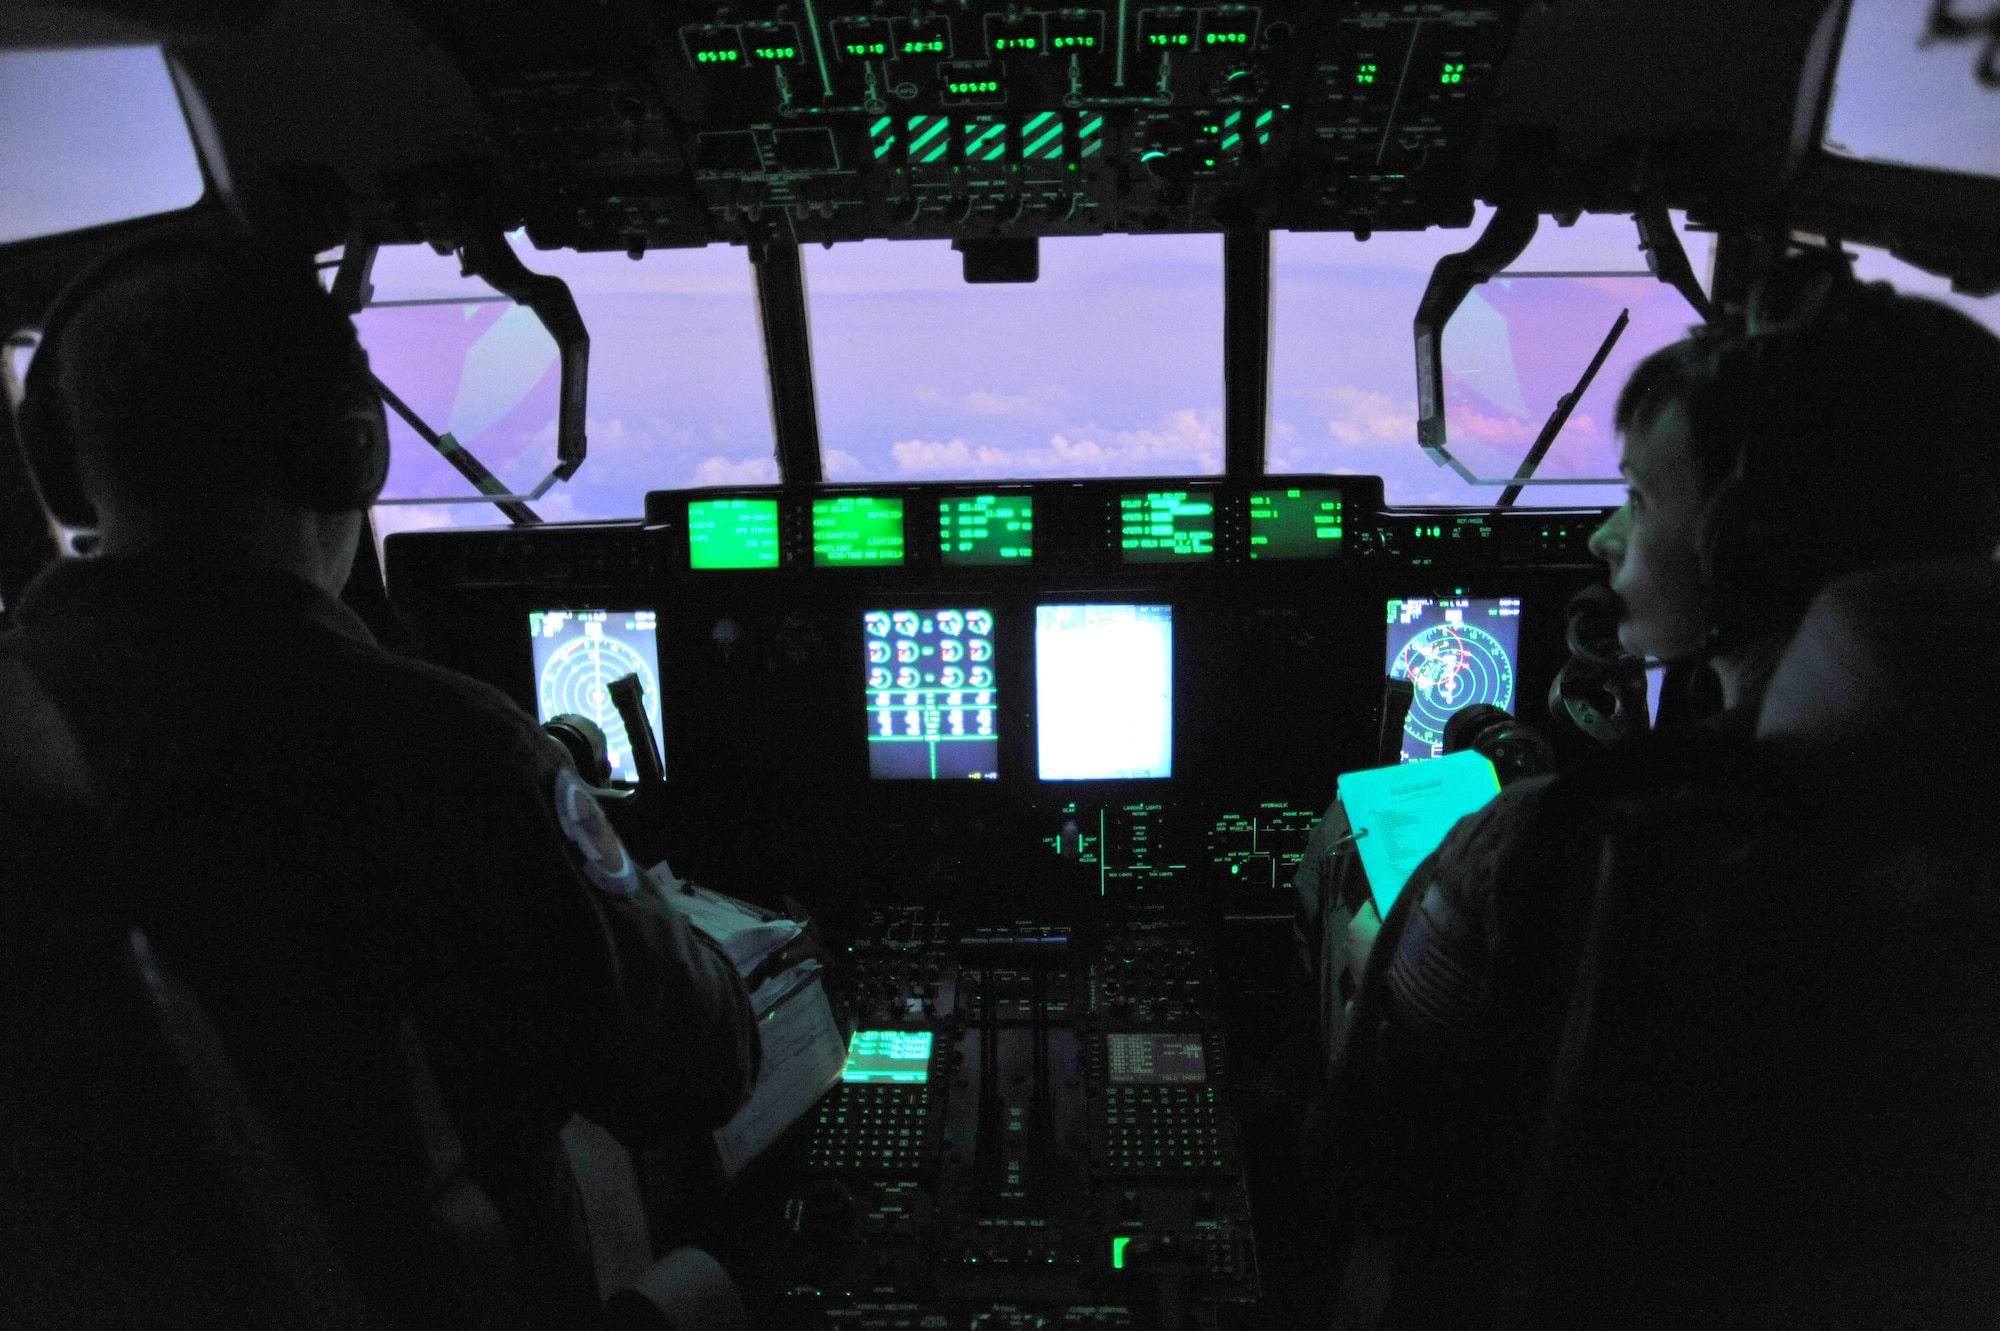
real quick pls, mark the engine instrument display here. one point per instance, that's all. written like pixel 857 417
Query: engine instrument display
pixel 987 529
pixel 932 696
pixel 1295 524
pixel 732 533
pixel 1104 691
pixel 1166 526
pixel 578 653
pixel 888 1056
pixel 1456 652
pixel 857 529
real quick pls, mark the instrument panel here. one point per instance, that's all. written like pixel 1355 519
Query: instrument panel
pixel 820 120
pixel 1042 759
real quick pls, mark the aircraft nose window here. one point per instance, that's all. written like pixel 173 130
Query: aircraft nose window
pixel 1108 364
pixel 677 388
pixel 90 137
pixel 1343 397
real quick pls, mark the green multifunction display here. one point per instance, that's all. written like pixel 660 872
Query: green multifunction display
pixel 1166 526
pixel 732 533
pixel 857 529
pixel 1295 524
pixel 987 529
pixel 891 1056
pixel 932 697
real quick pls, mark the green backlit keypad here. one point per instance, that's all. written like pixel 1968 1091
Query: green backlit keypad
pixel 871 1128
pixel 1161 1128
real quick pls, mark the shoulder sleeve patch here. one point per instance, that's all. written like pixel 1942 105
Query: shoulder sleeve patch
pixel 584 822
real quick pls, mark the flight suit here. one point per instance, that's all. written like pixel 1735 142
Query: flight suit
pixel 333 842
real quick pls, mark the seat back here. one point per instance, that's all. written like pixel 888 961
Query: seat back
pixel 1777 1099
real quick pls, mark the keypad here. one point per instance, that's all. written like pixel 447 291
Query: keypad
pixel 1161 1128
pixel 873 1128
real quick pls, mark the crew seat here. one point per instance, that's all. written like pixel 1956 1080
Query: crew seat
pixel 1777 1097
pixel 143 1184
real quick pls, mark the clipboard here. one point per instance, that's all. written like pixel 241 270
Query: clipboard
pixel 1401 814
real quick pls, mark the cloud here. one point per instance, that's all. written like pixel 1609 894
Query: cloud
pixel 1038 400
pixel 747 471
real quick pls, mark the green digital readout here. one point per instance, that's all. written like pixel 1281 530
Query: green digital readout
pixel 1166 29
pixel 732 533
pixel 711 45
pixel 1230 28
pixel 862 39
pixel 1166 526
pixel 987 529
pixel 889 1056
pixel 772 43
pixel 1021 35
pixel 1295 524
pixel 1078 31
pixel 923 36
pixel 857 529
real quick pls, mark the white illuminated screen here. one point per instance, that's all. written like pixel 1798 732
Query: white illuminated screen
pixel 1104 691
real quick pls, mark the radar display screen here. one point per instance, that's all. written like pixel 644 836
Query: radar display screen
pixel 1104 691
pixel 1295 524
pixel 902 1057
pixel 987 529
pixel 932 698
pixel 1155 1060
pixel 857 529
pixel 1166 526
pixel 578 653
pixel 1457 652
pixel 732 533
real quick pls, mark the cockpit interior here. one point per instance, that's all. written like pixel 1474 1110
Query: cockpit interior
pixel 987 477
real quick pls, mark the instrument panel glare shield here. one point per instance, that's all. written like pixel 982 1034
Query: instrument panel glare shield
pixel 932 700
pixel 857 529
pixel 732 533
pixel 578 653
pixel 1456 651
pixel 1104 692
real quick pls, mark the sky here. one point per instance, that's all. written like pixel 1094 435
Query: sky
pixel 1109 365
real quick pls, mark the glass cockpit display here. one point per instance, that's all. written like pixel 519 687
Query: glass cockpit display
pixel 578 653
pixel 932 696
pixel 1166 526
pixel 1104 691
pixel 895 1057
pixel 732 533
pixel 1456 651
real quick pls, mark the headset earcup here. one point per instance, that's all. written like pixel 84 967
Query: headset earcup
pixel 345 466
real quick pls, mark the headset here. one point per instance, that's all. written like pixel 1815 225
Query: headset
pixel 335 453
pixel 1515 748
pixel 1600 693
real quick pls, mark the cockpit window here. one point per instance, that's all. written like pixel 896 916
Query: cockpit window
pixel 677 387
pixel 1903 98
pixel 1343 379
pixel 90 137
pixel 1110 364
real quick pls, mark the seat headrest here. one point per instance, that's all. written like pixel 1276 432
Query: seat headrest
pixel 1883 692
